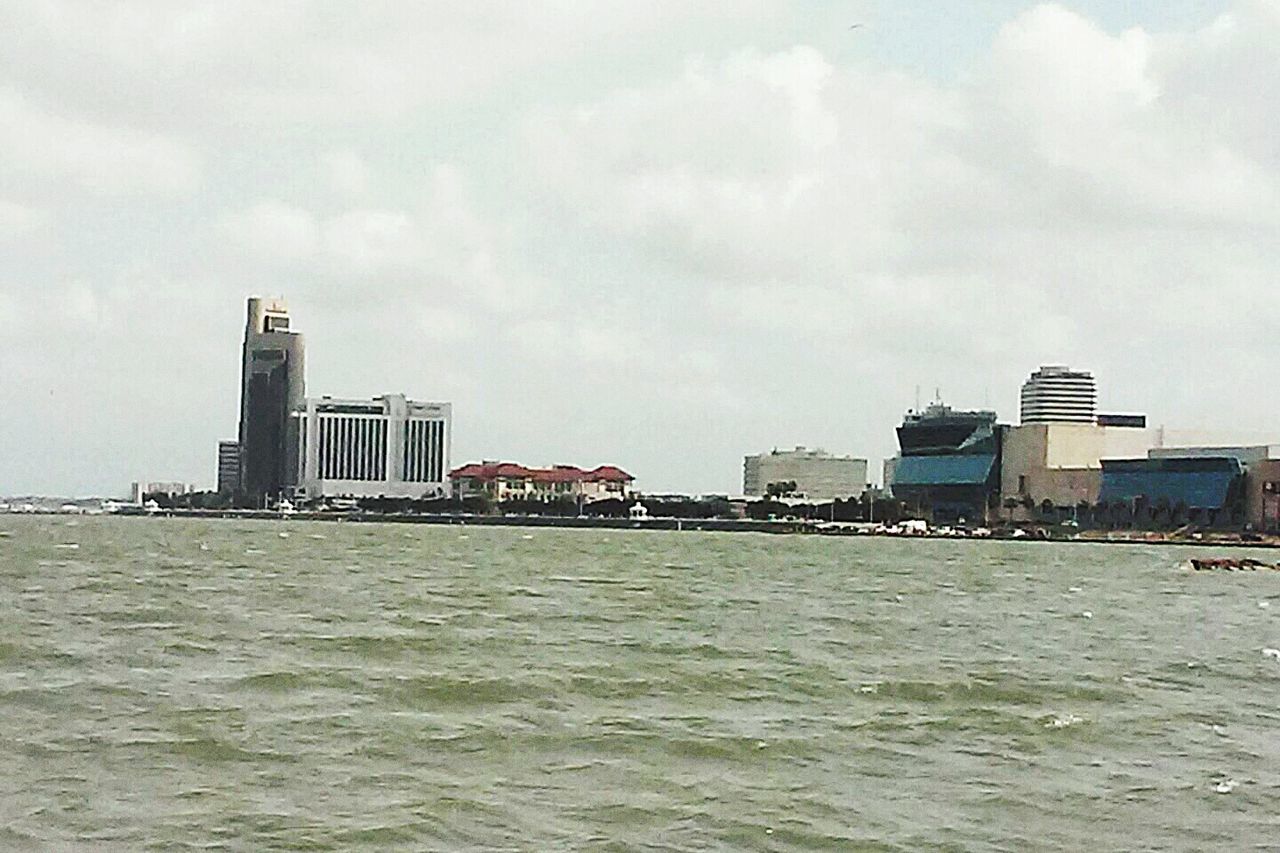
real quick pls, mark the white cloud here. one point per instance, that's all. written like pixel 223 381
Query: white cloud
pixel 604 230
pixel 20 221
pixel 38 145
pixel 273 231
pixel 345 172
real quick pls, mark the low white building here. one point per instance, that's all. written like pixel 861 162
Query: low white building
pixel 385 447
pixel 817 475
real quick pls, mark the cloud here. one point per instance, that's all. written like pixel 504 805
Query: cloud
pixel 20 221
pixel 39 146
pixel 273 231
pixel 346 173
pixel 659 234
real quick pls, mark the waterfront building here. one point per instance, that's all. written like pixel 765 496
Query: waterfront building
pixel 1056 394
pixel 1059 465
pixel 1262 495
pixel 272 386
pixel 1173 490
pixel 388 446
pixel 139 490
pixel 228 467
pixel 817 475
pixel 503 481
pixel 948 463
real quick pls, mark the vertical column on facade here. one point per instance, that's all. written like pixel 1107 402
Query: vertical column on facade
pixel 434 431
pixel 323 459
pixel 383 425
pixel 417 453
pixel 425 444
pixel 346 448
pixel 362 471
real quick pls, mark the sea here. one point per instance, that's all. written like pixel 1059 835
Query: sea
pixel 173 684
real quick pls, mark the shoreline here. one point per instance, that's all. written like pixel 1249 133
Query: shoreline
pixel 708 525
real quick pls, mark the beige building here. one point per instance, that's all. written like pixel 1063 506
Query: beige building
pixel 817 474
pixel 1062 462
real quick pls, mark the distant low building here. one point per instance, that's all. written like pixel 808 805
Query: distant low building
pixel 816 474
pixel 159 487
pixel 388 446
pixel 228 467
pixel 503 481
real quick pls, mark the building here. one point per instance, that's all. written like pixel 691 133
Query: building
pixel 138 491
pixel 272 386
pixel 504 481
pixel 1262 495
pixel 817 475
pixel 385 447
pixel 1173 490
pixel 1056 394
pixel 948 464
pixel 1059 465
pixel 228 467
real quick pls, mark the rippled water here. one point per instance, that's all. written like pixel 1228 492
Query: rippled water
pixel 268 685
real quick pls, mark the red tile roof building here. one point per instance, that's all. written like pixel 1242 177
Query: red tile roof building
pixel 502 481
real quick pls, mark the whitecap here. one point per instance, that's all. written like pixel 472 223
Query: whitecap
pixel 1074 589
pixel 1088 614
pixel 1264 604
pixel 1062 721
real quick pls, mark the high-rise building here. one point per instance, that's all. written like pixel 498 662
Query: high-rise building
pixel 1056 394
pixel 384 447
pixel 815 473
pixel 228 467
pixel 272 386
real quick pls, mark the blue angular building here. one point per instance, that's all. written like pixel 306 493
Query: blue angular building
pixel 1180 489
pixel 948 464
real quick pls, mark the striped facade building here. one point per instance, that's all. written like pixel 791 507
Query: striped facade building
pixel 1055 394
pixel 385 447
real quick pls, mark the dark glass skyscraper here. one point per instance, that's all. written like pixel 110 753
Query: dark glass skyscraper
pixel 272 385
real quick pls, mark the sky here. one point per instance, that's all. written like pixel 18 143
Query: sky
pixel 660 235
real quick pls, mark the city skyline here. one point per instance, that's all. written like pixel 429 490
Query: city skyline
pixel 728 231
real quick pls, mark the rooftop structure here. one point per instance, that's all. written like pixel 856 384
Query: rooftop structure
pixel 1056 394
pixel 940 429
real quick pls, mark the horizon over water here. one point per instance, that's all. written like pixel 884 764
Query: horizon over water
pixel 177 683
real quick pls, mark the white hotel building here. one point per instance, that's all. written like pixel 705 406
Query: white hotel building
pixel 384 447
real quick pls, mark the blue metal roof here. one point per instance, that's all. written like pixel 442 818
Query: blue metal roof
pixel 951 470
pixel 1202 483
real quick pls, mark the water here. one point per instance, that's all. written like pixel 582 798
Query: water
pixel 172 684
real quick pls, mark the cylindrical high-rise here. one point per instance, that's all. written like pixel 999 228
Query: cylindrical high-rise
pixel 1056 394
